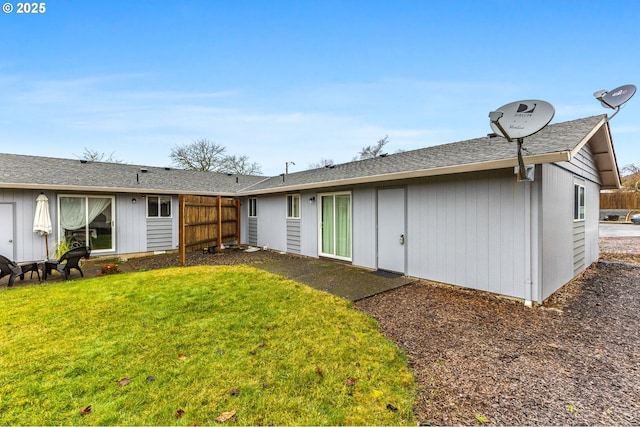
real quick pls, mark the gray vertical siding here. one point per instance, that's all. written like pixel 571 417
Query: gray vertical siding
pixel 363 205
pixel 468 230
pixel 309 224
pixel 28 246
pixel 557 231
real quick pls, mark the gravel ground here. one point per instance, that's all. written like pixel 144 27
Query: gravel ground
pixel 483 359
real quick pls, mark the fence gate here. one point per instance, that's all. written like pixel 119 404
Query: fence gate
pixel 207 221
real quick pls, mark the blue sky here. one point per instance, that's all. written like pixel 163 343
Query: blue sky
pixel 298 81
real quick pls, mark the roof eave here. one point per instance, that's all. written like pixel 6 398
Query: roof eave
pixel 78 188
pixel 606 161
pixel 560 156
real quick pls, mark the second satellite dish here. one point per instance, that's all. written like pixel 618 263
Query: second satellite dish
pixel 521 118
pixel 615 98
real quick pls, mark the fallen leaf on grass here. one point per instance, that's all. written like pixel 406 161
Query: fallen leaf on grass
pixel 179 413
pixel 235 392
pixel 182 356
pixel 351 382
pixel 225 416
pixel 150 378
pixel 123 382
pixel 85 411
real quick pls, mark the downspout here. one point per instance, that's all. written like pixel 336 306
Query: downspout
pixel 531 222
pixel 527 245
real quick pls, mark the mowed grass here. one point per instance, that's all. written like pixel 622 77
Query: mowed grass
pixel 183 346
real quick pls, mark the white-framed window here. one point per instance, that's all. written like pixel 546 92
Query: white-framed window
pixel 158 206
pixel 87 220
pixel 578 202
pixel 293 206
pixel 253 207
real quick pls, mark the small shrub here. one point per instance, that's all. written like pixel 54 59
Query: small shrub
pixel 481 419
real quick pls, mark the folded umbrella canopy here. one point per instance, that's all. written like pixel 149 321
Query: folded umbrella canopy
pixel 42 219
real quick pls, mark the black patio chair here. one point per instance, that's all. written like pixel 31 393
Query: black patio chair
pixel 67 261
pixel 13 269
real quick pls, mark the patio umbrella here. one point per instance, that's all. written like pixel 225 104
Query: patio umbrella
pixel 42 220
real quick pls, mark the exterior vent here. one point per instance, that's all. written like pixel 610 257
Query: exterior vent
pixel 144 170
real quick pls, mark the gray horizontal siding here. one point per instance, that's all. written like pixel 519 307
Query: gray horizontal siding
pixel 578 246
pixel 583 165
pixel 159 234
pixel 293 236
pixel 252 231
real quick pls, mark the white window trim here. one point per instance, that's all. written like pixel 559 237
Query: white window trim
pixel 576 202
pixel 159 210
pixel 252 213
pixel 319 203
pixel 113 218
pixel 293 197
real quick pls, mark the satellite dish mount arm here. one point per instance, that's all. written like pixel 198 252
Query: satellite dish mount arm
pixel 522 173
pixel 495 117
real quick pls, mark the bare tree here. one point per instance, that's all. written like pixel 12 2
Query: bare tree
pixel 240 165
pixel 371 151
pixel 204 155
pixel 631 177
pixel 200 155
pixel 322 163
pixel 96 156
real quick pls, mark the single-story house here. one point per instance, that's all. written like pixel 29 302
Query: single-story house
pixel 454 213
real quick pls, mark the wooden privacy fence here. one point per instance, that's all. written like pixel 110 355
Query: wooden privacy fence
pixel 620 200
pixel 207 221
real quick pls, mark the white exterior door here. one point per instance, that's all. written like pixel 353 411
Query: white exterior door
pixel 6 230
pixel 391 230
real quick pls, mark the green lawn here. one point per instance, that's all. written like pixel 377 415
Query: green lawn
pixel 181 346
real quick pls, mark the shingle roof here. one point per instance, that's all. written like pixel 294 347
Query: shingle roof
pixel 19 171
pixel 552 144
pixel 555 143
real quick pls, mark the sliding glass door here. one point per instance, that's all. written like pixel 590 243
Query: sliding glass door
pixel 335 225
pixel 87 221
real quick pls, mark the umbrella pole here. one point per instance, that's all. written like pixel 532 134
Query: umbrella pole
pixel 46 242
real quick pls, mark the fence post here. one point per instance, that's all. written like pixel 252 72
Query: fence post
pixel 219 223
pixel 238 221
pixel 181 230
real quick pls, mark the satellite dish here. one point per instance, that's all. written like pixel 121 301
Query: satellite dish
pixel 521 118
pixel 518 120
pixel 616 98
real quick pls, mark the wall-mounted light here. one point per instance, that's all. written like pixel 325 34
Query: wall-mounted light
pixel 312 199
pixel 133 200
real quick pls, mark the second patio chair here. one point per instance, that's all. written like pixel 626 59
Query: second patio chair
pixel 67 261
